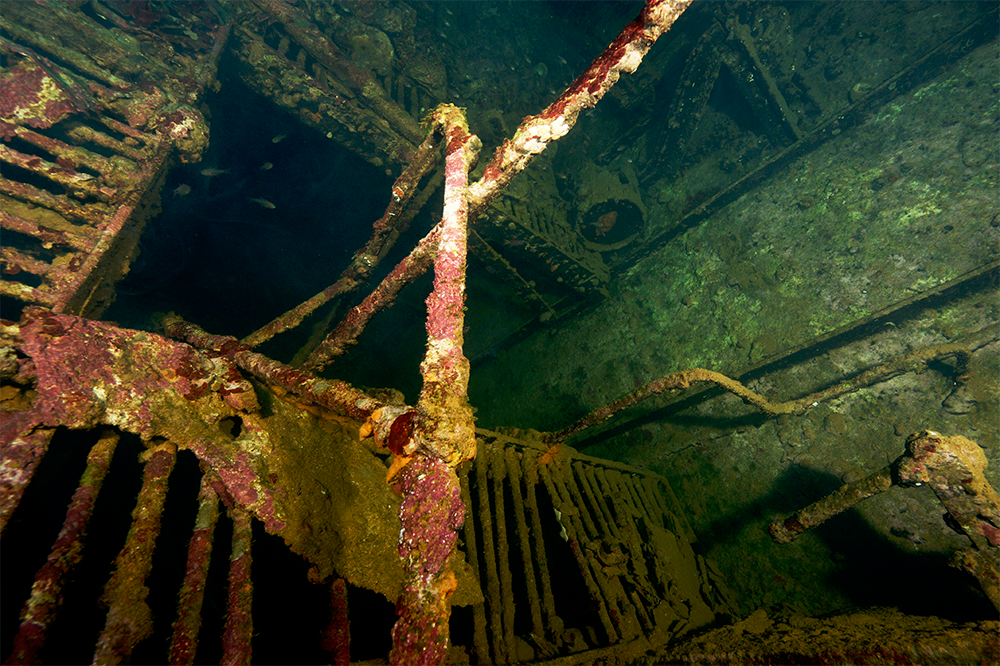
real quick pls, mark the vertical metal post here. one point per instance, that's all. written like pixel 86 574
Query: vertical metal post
pixel 46 593
pixel 129 617
pixel 336 638
pixel 432 510
pixel 236 639
pixel 184 643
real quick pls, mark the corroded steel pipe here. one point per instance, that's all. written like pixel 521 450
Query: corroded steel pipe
pixel 430 515
pixel 447 429
pixel 332 394
pixel 535 133
pixel 432 510
pixel 236 639
pixel 23 447
pixel 336 638
pixel 129 617
pixel 184 643
pixel 46 592
pixel 787 530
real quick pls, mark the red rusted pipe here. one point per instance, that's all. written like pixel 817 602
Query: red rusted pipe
pixel 336 639
pixel 46 592
pixel 236 639
pixel 432 510
pixel 623 55
pixel 430 515
pixel 330 393
pixel 129 617
pixel 184 643
pixel 23 448
pixel 447 428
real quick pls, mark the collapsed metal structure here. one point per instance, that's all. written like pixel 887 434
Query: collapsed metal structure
pixel 69 123
pixel 89 133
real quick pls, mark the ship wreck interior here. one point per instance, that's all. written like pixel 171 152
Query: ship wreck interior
pixel 731 382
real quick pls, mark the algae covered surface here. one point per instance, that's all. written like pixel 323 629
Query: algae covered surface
pixel 879 214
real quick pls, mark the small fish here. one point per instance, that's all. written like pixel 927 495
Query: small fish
pixel 279 138
pixel 182 190
pixel 266 166
pixel 514 242
pixel 261 202
pixel 562 61
pixel 212 172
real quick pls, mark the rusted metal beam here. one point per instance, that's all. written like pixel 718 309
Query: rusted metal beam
pixel 332 394
pixel 23 447
pixel 46 593
pixel 238 635
pixel 130 619
pixel 535 133
pixel 184 643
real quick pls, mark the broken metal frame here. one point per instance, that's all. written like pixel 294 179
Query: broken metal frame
pixel 441 437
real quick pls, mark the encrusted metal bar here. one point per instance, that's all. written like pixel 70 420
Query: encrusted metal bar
pixel 535 133
pixel 625 517
pixel 80 238
pixel 637 514
pixel 46 593
pixel 592 507
pixel 87 134
pixel 430 514
pixel 76 288
pixel 79 184
pixel 21 262
pixel 538 542
pixel 480 640
pixel 498 473
pixel 237 637
pixel 129 617
pixel 606 537
pixel 336 395
pixel 336 639
pixel 184 643
pixel 23 292
pixel 596 519
pixel 91 214
pixel 406 271
pixel 514 473
pixel 77 156
pixel 492 587
pixel 23 449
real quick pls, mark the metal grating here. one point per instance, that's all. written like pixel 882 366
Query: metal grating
pixel 576 553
